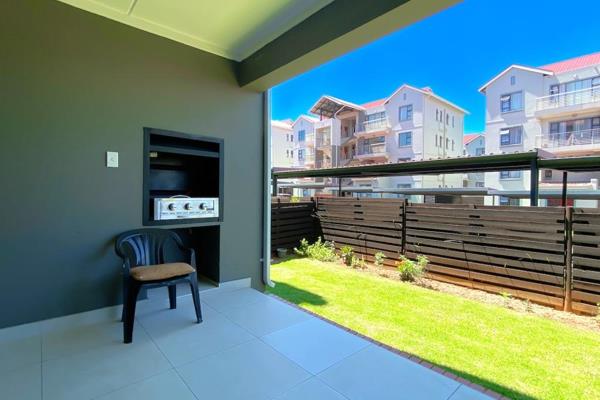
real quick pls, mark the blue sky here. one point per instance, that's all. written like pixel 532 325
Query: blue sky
pixel 454 52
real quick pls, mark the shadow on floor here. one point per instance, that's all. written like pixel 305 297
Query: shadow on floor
pixel 296 295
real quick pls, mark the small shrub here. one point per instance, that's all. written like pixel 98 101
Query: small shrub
pixel 319 250
pixel 347 254
pixel 379 258
pixel 358 262
pixel 411 270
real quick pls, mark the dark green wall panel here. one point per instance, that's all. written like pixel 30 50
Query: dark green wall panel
pixel 72 86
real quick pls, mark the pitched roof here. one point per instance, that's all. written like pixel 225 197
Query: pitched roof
pixel 305 117
pixel 469 138
pixel 573 64
pixel 282 124
pixel 372 104
pixel 558 67
pixel 428 92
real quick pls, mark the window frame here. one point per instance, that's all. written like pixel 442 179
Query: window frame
pixel 409 113
pixel 409 135
pixel 510 175
pixel 509 134
pixel 509 101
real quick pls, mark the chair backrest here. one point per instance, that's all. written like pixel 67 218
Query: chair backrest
pixel 140 247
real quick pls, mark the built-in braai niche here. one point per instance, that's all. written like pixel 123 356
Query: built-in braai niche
pixel 183 178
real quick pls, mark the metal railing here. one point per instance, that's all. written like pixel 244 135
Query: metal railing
pixel 376 124
pixel 376 148
pixel 323 140
pixel 576 97
pixel 574 138
pixel 309 157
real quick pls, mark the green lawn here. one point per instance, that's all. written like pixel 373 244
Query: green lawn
pixel 520 356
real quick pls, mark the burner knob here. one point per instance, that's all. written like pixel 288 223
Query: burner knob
pixel 201 206
pixel 171 206
pixel 187 206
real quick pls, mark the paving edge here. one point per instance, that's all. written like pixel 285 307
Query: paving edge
pixel 401 353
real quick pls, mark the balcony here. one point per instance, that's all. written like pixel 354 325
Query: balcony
pixel 310 140
pixel 372 151
pixel 323 164
pixel 373 127
pixel 575 141
pixel 568 103
pixel 323 141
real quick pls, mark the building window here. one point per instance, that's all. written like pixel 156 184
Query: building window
pixel 405 139
pixel 301 154
pixel 513 80
pixel 406 113
pixel 479 184
pixel 452 144
pixel 480 151
pixel 453 121
pixel 447 143
pixel 548 174
pixel 511 102
pixel 301 135
pixel 292 153
pixel 291 137
pixel 436 140
pixel 287 153
pixel 437 114
pixel 404 96
pixel 287 137
pixel 511 136
pixel 504 201
pixel 447 119
pixel 510 174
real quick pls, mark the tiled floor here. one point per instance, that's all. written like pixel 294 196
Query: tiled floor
pixel 250 346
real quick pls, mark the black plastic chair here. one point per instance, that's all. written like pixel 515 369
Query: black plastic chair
pixel 144 265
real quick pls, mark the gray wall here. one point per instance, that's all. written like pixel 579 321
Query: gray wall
pixel 73 85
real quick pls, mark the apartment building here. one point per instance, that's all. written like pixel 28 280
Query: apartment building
pixel 411 124
pixel 282 144
pixel 555 107
pixel 474 145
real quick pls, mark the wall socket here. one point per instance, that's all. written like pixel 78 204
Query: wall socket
pixel 112 159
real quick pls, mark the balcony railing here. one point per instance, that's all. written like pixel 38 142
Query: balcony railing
pixel 323 164
pixel 310 139
pixel 577 97
pixel 376 124
pixel 575 138
pixel 309 157
pixel 323 141
pixel 376 148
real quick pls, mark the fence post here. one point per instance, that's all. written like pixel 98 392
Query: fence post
pixel 568 275
pixel 403 231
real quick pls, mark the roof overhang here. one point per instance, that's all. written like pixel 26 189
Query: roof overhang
pixel 329 106
pixel 429 93
pixel 515 66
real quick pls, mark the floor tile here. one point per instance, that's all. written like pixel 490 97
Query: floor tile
pixel 101 370
pixel 312 389
pixel 315 344
pixel 182 340
pixel 466 393
pixel 250 371
pixel 266 315
pixel 225 300
pixel 167 385
pixel 60 324
pixel 66 342
pixel 375 373
pixel 19 353
pixel 24 383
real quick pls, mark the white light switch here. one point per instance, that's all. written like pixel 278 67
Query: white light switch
pixel 112 159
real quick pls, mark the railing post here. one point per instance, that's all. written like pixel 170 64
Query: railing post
pixel 534 183
pixel 568 275
pixel 403 230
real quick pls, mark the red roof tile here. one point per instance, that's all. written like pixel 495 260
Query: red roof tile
pixel 469 138
pixel 372 104
pixel 573 63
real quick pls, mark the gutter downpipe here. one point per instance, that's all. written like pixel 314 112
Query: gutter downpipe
pixel 266 228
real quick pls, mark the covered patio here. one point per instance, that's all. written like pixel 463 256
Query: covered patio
pixel 249 346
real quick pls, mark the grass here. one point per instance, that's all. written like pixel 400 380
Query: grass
pixel 517 355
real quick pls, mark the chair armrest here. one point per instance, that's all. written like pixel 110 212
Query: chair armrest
pixel 191 252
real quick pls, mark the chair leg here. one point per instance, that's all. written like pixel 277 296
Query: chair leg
pixel 196 296
pixel 132 293
pixel 173 296
pixel 125 291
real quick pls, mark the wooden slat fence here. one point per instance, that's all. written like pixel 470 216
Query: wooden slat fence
pixel 368 225
pixel 585 293
pixel 516 250
pixel 290 222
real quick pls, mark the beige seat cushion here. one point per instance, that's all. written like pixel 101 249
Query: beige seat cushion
pixel 160 271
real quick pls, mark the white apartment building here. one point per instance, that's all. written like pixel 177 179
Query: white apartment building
pixel 474 145
pixel 554 107
pixel 282 144
pixel 410 124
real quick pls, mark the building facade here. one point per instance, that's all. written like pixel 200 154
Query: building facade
pixel 411 124
pixel 555 107
pixel 474 145
pixel 282 144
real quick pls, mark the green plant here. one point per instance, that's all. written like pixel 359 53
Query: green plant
pixel 506 296
pixel 347 254
pixel 358 262
pixel 379 258
pixel 411 270
pixel 319 250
